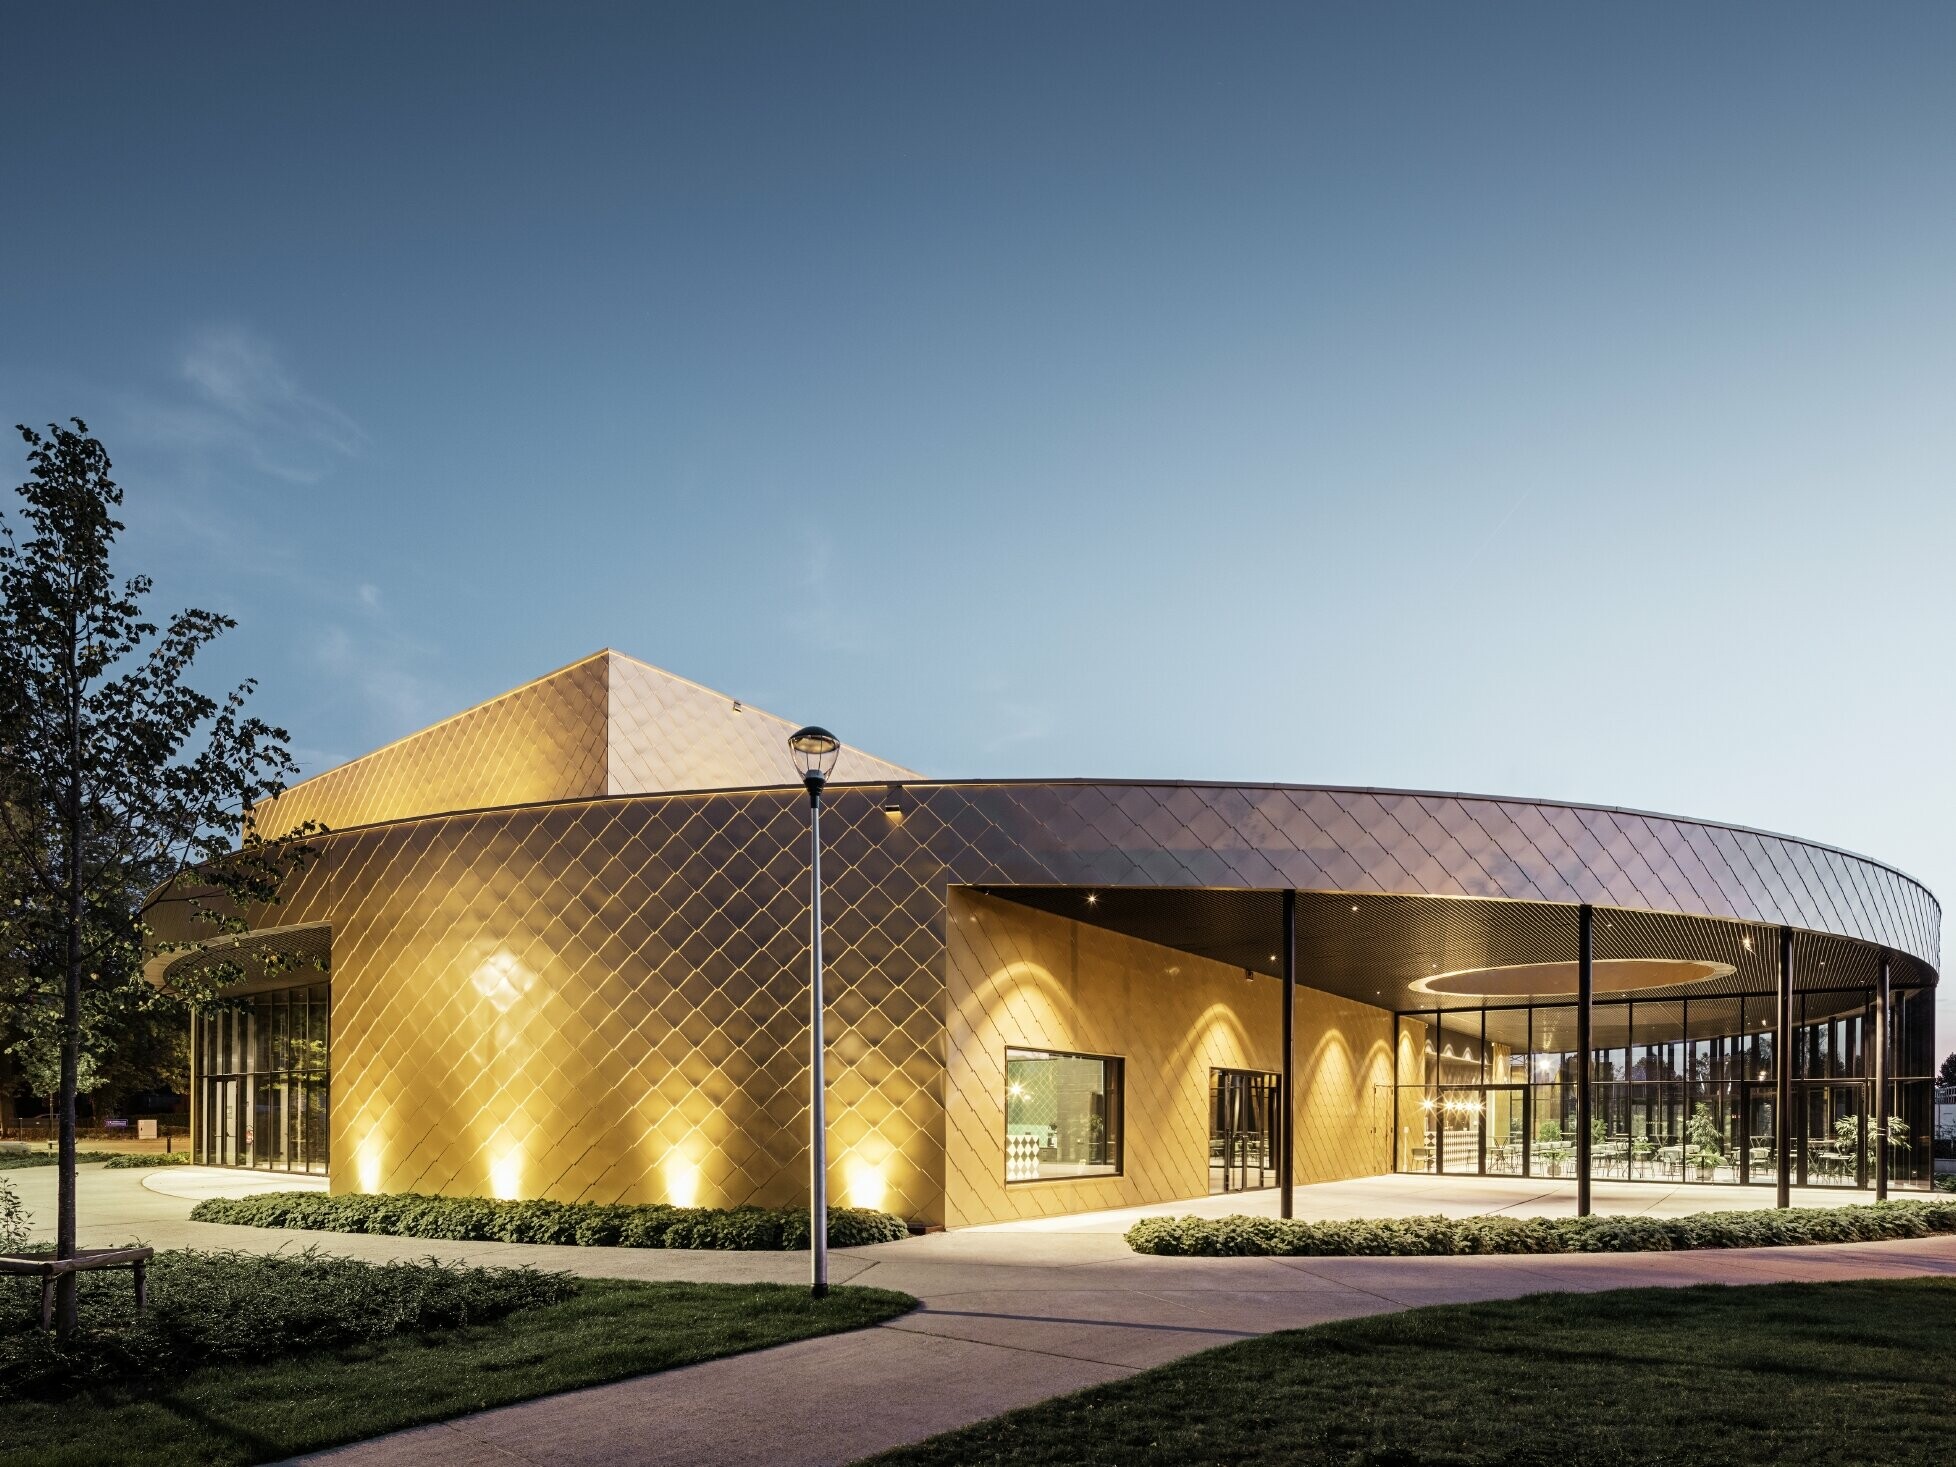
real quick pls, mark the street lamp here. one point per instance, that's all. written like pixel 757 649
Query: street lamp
pixel 815 751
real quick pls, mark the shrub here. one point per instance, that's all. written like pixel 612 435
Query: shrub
pixel 219 1308
pixel 13 1220
pixel 589 1224
pixel 130 1160
pixel 1227 1237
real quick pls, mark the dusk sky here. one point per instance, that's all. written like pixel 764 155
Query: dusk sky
pixel 1544 400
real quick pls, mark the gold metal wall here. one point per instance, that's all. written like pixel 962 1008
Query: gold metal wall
pixel 1344 1088
pixel 542 741
pixel 608 725
pixel 605 998
pixel 1023 978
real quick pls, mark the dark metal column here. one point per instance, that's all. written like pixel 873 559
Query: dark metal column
pixel 1286 1150
pixel 1783 1058
pixel 1585 997
pixel 1882 998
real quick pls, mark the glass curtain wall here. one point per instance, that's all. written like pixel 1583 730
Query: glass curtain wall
pixel 1682 1090
pixel 263 1066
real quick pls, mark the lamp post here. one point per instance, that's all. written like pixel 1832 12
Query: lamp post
pixel 814 751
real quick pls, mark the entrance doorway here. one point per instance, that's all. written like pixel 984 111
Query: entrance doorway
pixel 1244 1113
pixel 1505 1151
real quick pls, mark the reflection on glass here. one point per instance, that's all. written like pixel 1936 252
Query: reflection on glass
pixel 1681 1090
pixel 262 1079
pixel 1062 1115
pixel 1244 1116
pixel 1506 1126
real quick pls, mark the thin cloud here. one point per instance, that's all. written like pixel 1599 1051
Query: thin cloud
pixel 238 400
pixel 241 376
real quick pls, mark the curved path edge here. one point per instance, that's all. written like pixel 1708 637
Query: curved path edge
pixel 1004 1336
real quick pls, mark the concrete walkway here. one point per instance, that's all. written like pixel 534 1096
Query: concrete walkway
pixel 1009 1316
pixel 195 1183
pixel 1407 1196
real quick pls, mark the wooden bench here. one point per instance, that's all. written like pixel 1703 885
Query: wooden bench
pixel 86 1260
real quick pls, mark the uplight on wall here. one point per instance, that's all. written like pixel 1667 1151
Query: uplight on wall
pixel 682 1178
pixel 366 1163
pixel 506 1174
pixel 864 1184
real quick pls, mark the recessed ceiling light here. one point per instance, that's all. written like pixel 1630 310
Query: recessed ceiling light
pixel 1092 898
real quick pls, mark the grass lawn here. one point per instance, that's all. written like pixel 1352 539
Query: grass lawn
pixel 1777 1373
pixel 605 1331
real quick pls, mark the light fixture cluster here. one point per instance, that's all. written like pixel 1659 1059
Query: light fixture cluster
pixel 1452 1105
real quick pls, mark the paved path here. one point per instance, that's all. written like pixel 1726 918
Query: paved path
pixel 1009 1316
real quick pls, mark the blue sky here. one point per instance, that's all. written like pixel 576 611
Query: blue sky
pixel 1530 399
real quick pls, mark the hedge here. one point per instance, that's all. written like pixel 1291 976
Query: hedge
pixel 591 1224
pixel 238 1308
pixel 1234 1237
pixel 133 1160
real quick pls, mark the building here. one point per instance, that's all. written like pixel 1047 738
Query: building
pixel 565 935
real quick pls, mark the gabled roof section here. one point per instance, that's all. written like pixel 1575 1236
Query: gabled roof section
pixel 606 725
pixel 671 734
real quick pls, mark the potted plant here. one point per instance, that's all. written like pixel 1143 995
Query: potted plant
pixel 1707 1142
pixel 1549 1143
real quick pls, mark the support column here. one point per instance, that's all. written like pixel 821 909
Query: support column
pixel 1585 1001
pixel 1286 1148
pixel 1883 995
pixel 1783 1058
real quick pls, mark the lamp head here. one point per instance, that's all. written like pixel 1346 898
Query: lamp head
pixel 814 751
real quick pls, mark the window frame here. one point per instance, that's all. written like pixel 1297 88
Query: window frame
pixel 1115 1080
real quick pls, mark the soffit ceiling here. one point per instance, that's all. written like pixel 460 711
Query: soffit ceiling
pixel 1376 948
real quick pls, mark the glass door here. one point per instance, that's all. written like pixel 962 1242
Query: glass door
pixel 1507 1130
pixel 1460 1129
pixel 1244 1113
pixel 1831 1147
pixel 1761 1154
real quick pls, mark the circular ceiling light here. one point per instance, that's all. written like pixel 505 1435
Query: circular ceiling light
pixel 1558 980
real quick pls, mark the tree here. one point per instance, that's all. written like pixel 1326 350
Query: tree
pixel 121 788
pixel 1947 1074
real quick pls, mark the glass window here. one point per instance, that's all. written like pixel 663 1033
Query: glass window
pixel 1507 1046
pixel 1062 1115
pixel 1913 1013
pixel 262 1080
pixel 1460 1048
pixel 1657 1050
